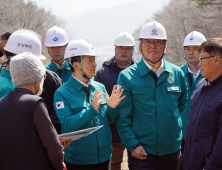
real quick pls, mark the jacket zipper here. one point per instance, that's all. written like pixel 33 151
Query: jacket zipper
pixel 206 152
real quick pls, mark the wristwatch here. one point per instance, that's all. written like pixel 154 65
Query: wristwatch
pixel 136 146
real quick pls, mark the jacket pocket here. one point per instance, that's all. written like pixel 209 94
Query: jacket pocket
pixel 208 148
pixel 141 90
pixel 79 106
pixel 172 94
pixel 210 116
pixel 143 99
pixel 141 94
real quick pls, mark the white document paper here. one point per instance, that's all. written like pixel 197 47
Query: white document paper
pixel 79 134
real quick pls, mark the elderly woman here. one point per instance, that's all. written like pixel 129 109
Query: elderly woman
pixel 28 138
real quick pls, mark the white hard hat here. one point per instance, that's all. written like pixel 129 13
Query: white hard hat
pixel 79 47
pixel 194 39
pixel 153 30
pixel 25 41
pixel 124 39
pixel 56 36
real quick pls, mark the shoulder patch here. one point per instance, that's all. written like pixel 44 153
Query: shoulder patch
pixel 59 105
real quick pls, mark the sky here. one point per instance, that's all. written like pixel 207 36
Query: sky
pixel 76 7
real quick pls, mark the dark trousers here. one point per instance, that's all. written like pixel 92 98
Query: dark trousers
pixel 117 156
pixel 153 162
pixel 182 149
pixel 101 166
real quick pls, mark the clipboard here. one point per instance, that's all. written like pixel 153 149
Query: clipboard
pixel 78 134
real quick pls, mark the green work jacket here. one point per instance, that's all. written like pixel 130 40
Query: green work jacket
pixel 190 86
pixel 6 85
pixel 64 74
pixel 75 112
pixel 150 115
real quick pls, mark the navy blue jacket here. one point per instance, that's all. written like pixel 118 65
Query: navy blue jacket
pixel 203 147
pixel 108 75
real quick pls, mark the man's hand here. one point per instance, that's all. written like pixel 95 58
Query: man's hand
pixel 114 100
pixel 139 153
pixel 95 102
pixel 65 143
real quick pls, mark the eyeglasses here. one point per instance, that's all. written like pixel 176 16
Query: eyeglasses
pixel 200 59
pixel 156 42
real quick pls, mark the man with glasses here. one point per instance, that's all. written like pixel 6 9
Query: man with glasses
pixel 192 73
pixel 204 130
pixel 149 122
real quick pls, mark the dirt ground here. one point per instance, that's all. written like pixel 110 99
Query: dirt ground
pixel 124 165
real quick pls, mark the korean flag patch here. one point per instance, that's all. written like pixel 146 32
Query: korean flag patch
pixel 59 105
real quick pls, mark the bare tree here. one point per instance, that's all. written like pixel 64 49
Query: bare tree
pixel 21 14
pixel 200 3
pixel 180 17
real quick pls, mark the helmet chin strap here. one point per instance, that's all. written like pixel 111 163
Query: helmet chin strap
pixel 81 70
pixel 126 61
pixel 153 62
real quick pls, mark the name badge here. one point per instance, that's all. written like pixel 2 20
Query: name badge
pixel 174 88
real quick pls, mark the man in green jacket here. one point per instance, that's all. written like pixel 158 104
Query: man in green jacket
pixel 192 73
pixel 80 105
pixel 149 121
pixel 56 40
pixel 5 78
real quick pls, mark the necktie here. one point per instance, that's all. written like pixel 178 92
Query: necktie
pixel 60 72
pixel 85 89
pixel 154 77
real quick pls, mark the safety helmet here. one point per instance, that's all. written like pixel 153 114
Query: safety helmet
pixel 153 30
pixel 124 39
pixel 194 39
pixel 25 41
pixel 56 36
pixel 79 47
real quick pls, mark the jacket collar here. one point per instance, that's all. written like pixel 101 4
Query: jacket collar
pixel 216 81
pixel 185 68
pixel 112 62
pixel 23 90
pixel 78 86
pixel 6 73
pixel 144 69
pixel 55 68
pixel 75 83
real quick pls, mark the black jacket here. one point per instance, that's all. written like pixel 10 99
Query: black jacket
pixel 51 84
pixel 203 147
pixel 20 144
pixel 108 76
